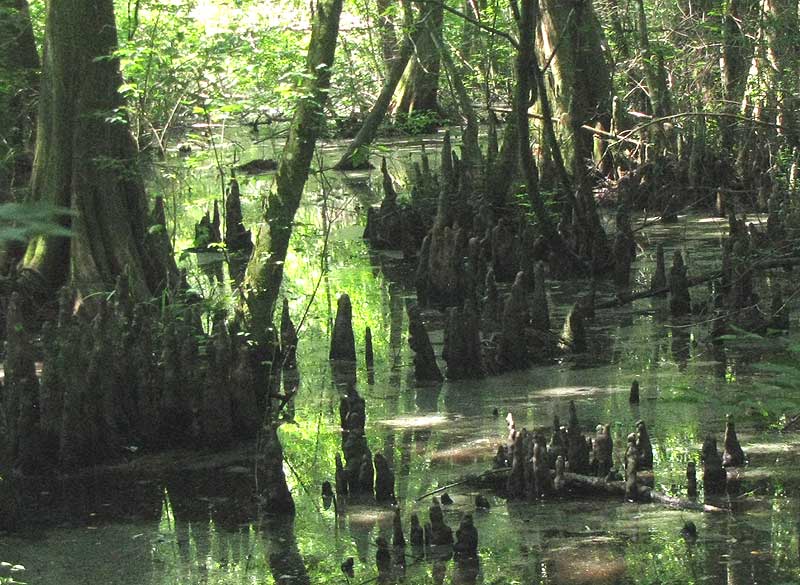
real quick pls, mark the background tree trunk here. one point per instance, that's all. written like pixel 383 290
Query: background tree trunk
pixel 522 96
pixel 19 72
pixel 265 269
pixel 734 62
pixel 579 77
pixel 387 32
pixel 419 89
pixel 86 160
pixel 357 153
pixel 579 85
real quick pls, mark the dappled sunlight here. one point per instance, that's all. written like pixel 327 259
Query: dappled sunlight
pixel 470 452
pixel 416 422
pixel 575 391
pixel 585 563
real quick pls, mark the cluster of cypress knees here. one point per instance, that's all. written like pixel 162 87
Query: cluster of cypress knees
pixel 465 249
pixel 570 461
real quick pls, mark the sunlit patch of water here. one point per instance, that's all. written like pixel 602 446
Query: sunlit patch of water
pixel 477 450
pixel 576 391
pixel 416 422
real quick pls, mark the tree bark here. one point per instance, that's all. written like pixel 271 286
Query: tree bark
pixel 734 63
pixel 265 269
pixel 660 99
pixel 522 95
pixel 569 33
pixel 420 92
pixel 19 72
pixel 85 160
pixel 387 33
pixel 781 24
pixel 579 76
pixel 357 153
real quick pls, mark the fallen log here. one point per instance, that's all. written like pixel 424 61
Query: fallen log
pixel 577 482
pixel 624 299
pixel 496 479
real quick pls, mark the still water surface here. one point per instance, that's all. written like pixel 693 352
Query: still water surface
pixel 185 518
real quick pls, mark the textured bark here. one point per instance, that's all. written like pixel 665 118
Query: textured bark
pixel 265 270
pixel 781 23
pixel 357 154
pixel 579 90
pixel 387 33
pixel 579 77
pixel 19 69
pixel 734 64
pixel 525 64
pixel 420 92
pixel 86 161
pixel 655 74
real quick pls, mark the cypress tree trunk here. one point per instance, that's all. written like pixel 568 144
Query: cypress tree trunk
pixel 522 95
pixel 86 161
pixel 734 62
pixel 19 69
pixel 579 77
pixel 265 269
pixel 420 91
pixel 580 88
pixel 781 25
pixel 387 33
pixel 357 153
pixel 660 99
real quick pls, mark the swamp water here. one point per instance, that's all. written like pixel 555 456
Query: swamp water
pixel 185 518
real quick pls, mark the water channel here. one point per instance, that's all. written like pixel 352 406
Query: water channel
pixel 188 517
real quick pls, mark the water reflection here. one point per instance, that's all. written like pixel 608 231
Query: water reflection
pixel 195 518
